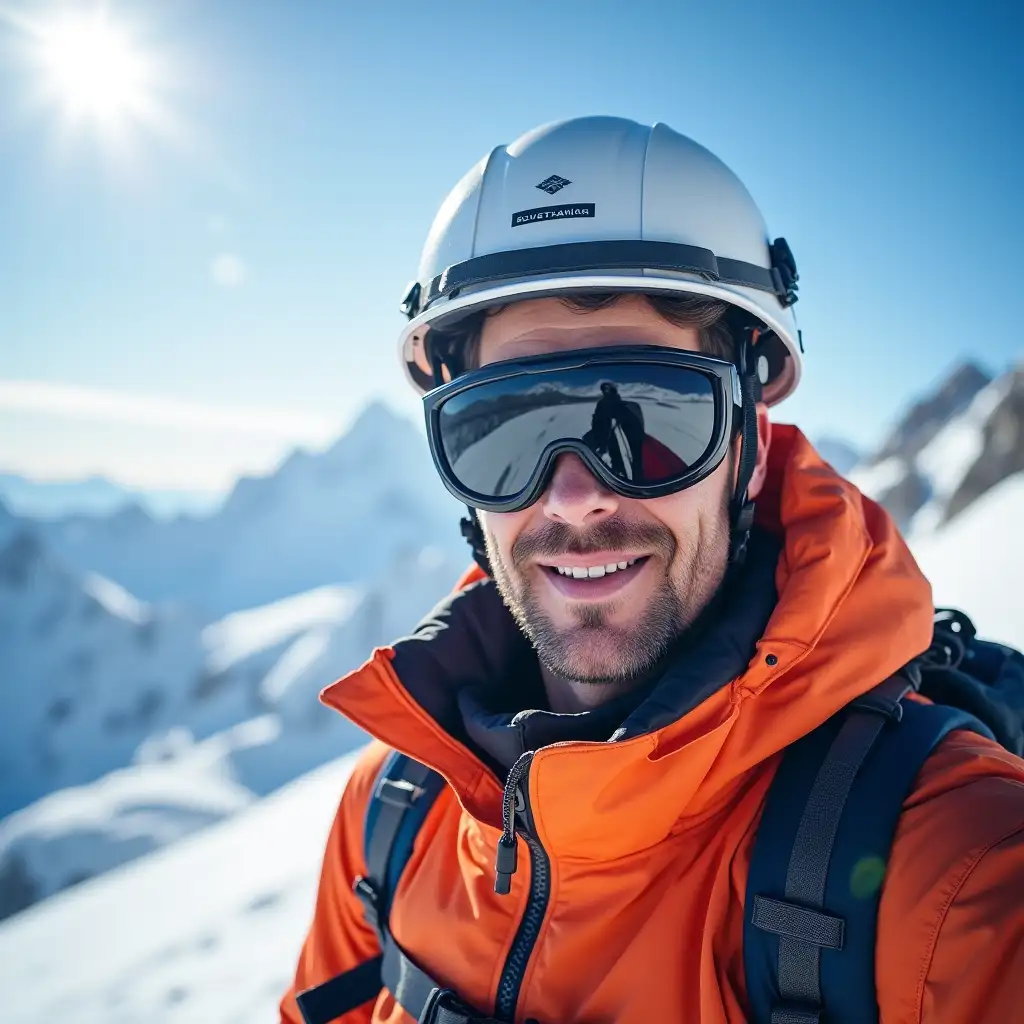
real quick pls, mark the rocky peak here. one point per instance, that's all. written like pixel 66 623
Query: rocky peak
pixel 1002 452
pixel 928 416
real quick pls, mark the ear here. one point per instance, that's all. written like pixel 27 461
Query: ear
pixel 764 440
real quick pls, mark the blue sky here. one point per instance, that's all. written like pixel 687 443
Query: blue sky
pixel 186 298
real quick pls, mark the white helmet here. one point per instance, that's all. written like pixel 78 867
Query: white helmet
pixel 602 204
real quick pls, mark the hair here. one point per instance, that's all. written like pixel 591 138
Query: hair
pixel 460 344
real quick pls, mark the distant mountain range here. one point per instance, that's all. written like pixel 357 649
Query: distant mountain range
pixel 96 496
pixel 334 517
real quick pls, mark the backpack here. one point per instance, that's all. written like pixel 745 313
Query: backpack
pixel 819 854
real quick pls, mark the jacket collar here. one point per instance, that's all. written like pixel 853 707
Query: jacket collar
pixel 498 706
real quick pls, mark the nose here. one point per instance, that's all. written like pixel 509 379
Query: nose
pixel 575 496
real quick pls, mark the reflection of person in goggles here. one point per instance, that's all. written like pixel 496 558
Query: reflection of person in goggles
pixel 617 433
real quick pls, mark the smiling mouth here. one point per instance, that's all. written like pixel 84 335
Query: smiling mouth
pixel 593 572
pixel 596 578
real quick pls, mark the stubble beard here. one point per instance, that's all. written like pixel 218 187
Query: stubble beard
pixel 592 650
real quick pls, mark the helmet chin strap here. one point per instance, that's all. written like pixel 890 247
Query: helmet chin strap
pixel 741 508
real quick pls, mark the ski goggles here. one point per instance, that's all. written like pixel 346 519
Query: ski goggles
pixel 647 421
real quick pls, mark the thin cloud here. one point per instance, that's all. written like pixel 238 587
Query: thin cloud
pixel 145 410
pixel 227 270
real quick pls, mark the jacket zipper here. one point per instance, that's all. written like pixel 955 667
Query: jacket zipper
pixel 517 804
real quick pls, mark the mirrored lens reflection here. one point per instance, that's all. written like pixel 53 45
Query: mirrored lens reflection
pixel 647 424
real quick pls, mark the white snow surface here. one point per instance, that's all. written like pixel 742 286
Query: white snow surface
pixel 208 930
pixel 245 633
pixel 975 561
pixel 83 831
pixel 877 479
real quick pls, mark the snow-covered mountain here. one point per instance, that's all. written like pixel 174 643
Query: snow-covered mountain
pixel 949 449
pixel 9 525
pixel 340 516
pixel 839 453
pixel 206 718
pixel 135 711
pixel 88 672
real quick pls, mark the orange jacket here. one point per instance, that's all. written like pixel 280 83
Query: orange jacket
pixel 649 838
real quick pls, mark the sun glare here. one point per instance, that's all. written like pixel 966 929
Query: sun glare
pixel 94 69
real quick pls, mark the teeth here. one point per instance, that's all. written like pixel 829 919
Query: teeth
pixel 593 572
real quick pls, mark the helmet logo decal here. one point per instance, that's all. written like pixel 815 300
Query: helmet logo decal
pixel 553 184
pixel 565 212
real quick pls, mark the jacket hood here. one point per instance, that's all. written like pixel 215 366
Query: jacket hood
pixel 852 607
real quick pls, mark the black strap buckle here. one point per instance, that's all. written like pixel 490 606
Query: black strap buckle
pixel 370 899
pixel 443 1006
pixel 399 792
pixel 410 304
pixel 886 698
pixel 784 270
pixel 880 704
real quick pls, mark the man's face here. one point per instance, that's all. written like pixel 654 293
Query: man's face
pixel 616 626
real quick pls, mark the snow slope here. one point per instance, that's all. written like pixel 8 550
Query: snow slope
pixel 252 705
pixel 975 562
pixel 208 930
pixel 81 832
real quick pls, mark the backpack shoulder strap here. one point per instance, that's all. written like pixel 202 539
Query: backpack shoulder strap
pixel 402 796
pixel 820 853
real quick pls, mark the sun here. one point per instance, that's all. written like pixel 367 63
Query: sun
pixel 93 68
pixel 90 68
pixel 100 80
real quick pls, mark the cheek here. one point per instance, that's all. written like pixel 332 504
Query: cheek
pixel 504 527
pixel 686 512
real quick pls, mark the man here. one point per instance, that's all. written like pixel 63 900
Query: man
pixel 609 695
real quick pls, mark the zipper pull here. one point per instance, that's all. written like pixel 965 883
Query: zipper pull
pixel 507 859
pixel 505 864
